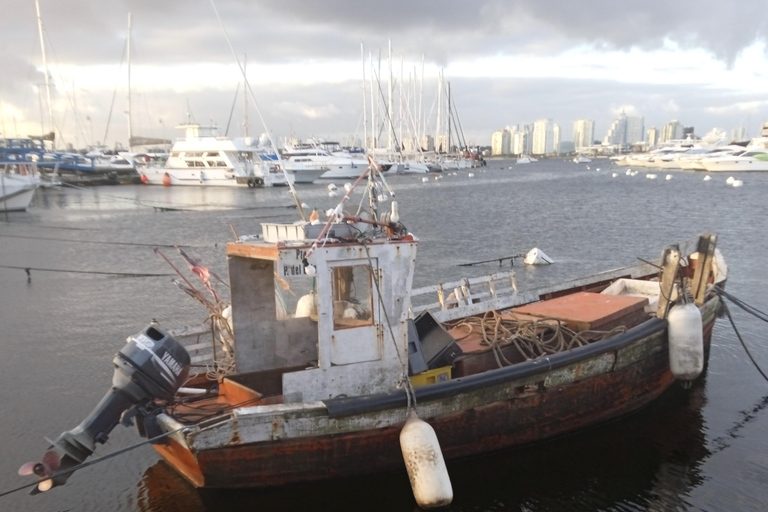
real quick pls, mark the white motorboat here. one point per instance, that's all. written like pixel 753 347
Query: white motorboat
pixel 305 160
pixel 581 159
pixel 202 158
pixel 692 161
pixel 18 182
pixel 751 160
pixel 524 159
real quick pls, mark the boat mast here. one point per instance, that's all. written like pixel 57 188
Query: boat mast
pixel 245 100
pixel 373 107
pixel 400 120
pixel 439 108
pixel 365 112
pixel 390 128
pixel 449 117
pixel 128 111
pixel 45 68
pixel 422 128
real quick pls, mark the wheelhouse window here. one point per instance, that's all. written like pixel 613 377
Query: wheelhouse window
pixel 352 296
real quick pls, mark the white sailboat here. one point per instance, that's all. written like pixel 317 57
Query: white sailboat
pixel 18 182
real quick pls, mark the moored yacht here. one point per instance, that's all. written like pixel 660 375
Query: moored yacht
pixel 751 160
pixel 202 158
pixel 312 160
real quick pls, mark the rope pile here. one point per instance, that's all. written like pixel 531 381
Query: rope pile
pixel 532 338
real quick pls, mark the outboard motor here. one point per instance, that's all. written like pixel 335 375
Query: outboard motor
pixel 152 365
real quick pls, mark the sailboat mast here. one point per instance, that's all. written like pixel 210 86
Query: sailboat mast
pixel 245 100
pixel 390 127
pixel 400 120
pixel 128 111
pixel 422 128
pixel 449 117
pixel 373 106
pixel 45 68
pixel 439 108
pixel 365 112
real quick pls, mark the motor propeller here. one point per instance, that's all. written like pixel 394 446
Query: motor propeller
pixel 151 366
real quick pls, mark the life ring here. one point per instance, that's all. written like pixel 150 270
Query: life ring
pixel 250 183
pixel 259 182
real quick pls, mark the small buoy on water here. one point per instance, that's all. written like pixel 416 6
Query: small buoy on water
pixel 650 176
pixel 737 183
pixel 347 187
pixel 730 180
pixel 332 193
pixel 424 462
pixel 598 169
pixel 331 187
pixel 614 175
pixel 668 177
pixel 686 341
pixel 471 175
pixel 629 172
pixel 707 178
pixel 424 180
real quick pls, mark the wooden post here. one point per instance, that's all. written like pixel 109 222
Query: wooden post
pixel 670 260
pixel 707 244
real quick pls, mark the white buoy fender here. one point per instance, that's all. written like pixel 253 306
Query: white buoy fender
pixel 306 306
pixel 537 257
pixel 425 464
pixel 686 341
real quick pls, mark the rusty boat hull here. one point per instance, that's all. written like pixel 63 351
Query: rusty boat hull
pixel 498 409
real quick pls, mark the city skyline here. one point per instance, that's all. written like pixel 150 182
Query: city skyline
pixel 504 61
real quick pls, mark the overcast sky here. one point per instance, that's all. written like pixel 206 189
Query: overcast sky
pixel 509 62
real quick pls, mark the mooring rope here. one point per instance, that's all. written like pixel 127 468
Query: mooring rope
pixel 749 309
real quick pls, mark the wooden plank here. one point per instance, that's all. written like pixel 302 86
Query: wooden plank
pixel 262 252
pixel 707 244
pixel 670 261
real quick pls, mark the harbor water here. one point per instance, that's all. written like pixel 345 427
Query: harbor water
pixel 705 448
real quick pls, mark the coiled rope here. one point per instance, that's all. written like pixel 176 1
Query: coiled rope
pixel 532 338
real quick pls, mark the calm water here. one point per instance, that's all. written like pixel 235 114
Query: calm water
pixel 702 449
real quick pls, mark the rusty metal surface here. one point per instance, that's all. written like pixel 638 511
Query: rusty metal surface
pixel 533 415
pixel 586 310
pixel 539 411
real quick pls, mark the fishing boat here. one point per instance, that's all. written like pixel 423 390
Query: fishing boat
pixel 324 349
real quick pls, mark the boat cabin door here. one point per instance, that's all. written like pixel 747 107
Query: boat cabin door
pixel 354 335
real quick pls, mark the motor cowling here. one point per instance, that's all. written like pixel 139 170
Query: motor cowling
pixel 152 365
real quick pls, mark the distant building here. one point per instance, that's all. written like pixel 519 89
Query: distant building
pixel 688 132
pixel 521 141
pixel 543 137
pixel 556 139
pixel 673 130
pixel 653 136
pixel 624 131
pixel 500 142
pixel 739 134
pixel 583 133
pixel 635 130
pixel 428 143
pixel 441 144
